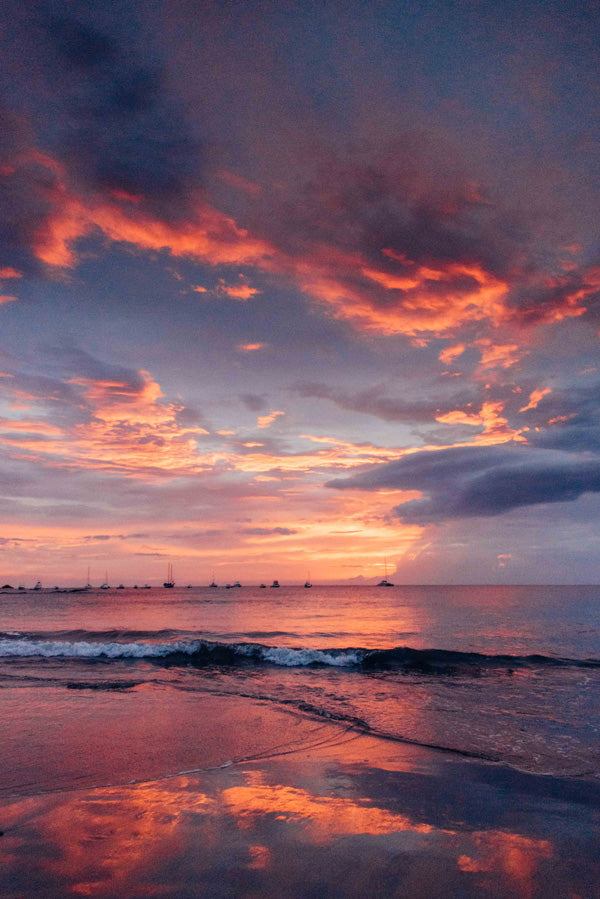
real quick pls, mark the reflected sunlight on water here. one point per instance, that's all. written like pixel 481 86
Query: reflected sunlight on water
pixel 232 830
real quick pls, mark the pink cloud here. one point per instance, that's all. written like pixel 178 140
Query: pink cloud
pixel 239 291
pixel 388 291
pixel 449 354
pixel 535 398
pixel 238 182
pixel 265 421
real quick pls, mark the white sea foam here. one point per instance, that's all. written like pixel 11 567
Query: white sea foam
pixel 276 655
pixel 292 658
pixel 92 650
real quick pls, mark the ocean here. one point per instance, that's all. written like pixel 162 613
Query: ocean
pixel 104 689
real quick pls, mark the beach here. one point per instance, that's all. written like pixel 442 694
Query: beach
pixel 286 806
pixel 197 763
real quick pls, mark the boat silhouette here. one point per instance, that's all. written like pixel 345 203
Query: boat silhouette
pixel 169 581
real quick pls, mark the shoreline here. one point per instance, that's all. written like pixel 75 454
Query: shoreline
pixel 311 809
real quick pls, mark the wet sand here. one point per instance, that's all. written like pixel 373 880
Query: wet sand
pixel 221 796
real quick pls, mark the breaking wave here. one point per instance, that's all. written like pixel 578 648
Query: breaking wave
pixel 204 653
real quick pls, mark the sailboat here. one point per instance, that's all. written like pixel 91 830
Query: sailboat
pixel 88 586
pixel 213 583
pixel 385 582
pixel 169 581
pixel 105 585
pixel 307 582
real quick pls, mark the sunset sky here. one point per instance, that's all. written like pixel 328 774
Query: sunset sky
pixel 293 288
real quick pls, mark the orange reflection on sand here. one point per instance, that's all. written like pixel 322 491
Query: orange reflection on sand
pixel 117 837
pixel 324 817
pixel 510 854
pixel 171 838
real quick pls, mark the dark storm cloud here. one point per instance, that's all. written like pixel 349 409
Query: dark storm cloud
pixel 124 130
pixel 391 245
pixel 373 401
pixel 87 112
pixel 190 417
pixel 390 202
pixel 254 402
pixel 27 186
pixel 567 420
pixel 465 482
pixel 75 362
pixel 535 304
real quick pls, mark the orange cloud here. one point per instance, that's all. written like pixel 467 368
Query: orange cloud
pixel 497 355
pixel 212 236
pixel 5 299
pixel 240 291
pixel 10 273
pixel 470 294
pixel 129 430
pixel 561 418
pixel 132 430
pixel 418 311
pixel 535 397
pixel 495 426
pixel 31 427
pixel 250 347
pixel 569 293
pixel 412 299
pixel 266 421
pixel 451 353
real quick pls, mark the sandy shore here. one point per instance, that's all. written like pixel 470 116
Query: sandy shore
pixel 250 801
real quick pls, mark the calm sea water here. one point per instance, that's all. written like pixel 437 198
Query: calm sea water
pixel 510 674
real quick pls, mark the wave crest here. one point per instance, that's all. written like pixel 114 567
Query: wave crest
pixel 203 653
